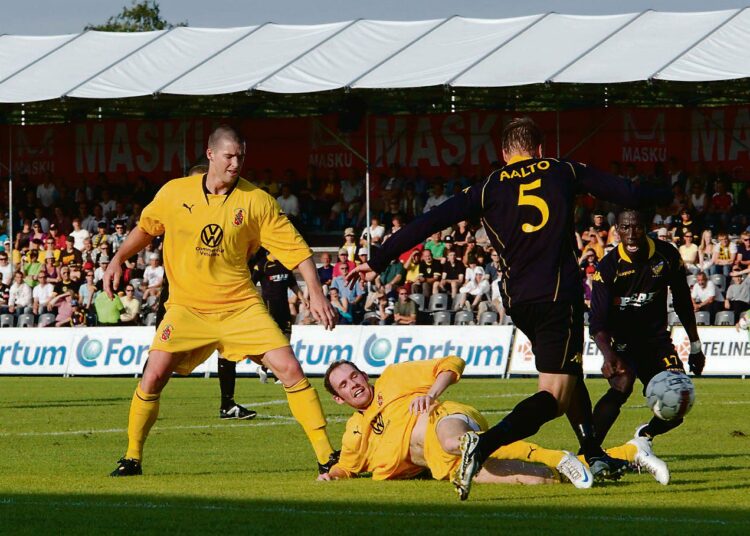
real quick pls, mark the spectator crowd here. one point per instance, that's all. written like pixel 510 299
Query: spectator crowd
pixel 52 268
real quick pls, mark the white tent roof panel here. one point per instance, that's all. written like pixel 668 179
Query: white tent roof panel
pixel 444 53
pixel 252 59
pixel 347 56
pixel 66 67
pixel 724 55
pixel 542 50
pixel 640 49
pixel 690 47
pixel 18 51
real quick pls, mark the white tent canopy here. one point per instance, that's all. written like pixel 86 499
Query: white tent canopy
pixel 457 52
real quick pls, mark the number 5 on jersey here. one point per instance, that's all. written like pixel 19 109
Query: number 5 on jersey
pixel 534 201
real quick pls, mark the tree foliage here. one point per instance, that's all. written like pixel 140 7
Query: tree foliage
pixel 141 16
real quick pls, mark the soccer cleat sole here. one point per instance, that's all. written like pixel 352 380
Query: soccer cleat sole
pixel 468 466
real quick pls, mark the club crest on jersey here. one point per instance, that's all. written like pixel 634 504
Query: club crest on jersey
pixel 239 217
pixel 166 333
pixel 380 400
pixel 657 268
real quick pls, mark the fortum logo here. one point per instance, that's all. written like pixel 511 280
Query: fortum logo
pixel 90 350
pixel 382 351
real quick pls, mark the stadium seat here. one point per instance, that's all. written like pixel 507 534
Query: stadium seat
pixel 46 320
pixel 371 318
pixel 419 299
pixel 6 320
pixel 703 318
pixel 441 318
pixel 488 318
pixel 720 281
pixel 26 321
pixel 438 302
pixel 151 319
pixel 463 318
pixel 507 321
pixel 135 282
pixel 724 318
pixel 673 320
pixel 586 318
pixel 691 279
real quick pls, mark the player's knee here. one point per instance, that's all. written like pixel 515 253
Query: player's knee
pixel 154 380
pixel 623 384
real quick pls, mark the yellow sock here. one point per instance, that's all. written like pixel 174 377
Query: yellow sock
pixel 144 409
pixel 623 452
pixel 529 452
pixel 305 405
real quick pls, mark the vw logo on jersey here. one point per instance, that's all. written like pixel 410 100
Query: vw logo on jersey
pixel 377 351
pixel 212 235
pixel 88 351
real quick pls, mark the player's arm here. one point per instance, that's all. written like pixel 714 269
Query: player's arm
pixel 683 306
pixel 618 190
pixel 459 207
pixel 439 374
pixel 320 307
pixel 601 300
pixel 135 242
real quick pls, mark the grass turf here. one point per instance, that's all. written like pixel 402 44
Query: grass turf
pixel 60 437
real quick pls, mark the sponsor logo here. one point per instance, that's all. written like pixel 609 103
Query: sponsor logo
pixel 626 272
pixel 636 300
pixel 380 351
pixel 92 352
pixel 377 425
pixel 597 277
pixel 577 358
pixel 88 351
pixel 239 217
pixel 20 354
pixel 189 207
pixel 212 235
pixel 166 333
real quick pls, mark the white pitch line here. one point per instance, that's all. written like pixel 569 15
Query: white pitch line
pixel 267 420
pixel 375 513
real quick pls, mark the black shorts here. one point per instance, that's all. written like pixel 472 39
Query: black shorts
pixel 279 311
pixel 555 330
pixel 649 360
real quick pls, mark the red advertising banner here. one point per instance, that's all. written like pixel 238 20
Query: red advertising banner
pixel 718 137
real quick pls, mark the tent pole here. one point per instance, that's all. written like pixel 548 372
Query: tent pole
pixel 367 181
pixel 10 192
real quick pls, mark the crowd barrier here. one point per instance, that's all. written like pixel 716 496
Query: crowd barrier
pixel 487 350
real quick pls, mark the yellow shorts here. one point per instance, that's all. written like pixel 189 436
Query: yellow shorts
pixel 235 334
pixel 441 463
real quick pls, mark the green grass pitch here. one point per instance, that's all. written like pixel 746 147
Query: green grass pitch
pixel 60 437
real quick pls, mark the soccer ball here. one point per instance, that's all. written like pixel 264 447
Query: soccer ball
pixel 670 395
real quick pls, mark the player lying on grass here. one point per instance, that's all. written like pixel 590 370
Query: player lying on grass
pixel 400 429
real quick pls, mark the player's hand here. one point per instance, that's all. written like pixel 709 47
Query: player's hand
pixel 111 278
pixel 356 273
pixel 421 404
pixel 696 362
pixel 325 477
pixel 613 366
pixel 322 310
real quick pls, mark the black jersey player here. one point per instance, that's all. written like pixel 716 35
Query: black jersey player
pixel 276 280
pixel 527 209
pixel 629 320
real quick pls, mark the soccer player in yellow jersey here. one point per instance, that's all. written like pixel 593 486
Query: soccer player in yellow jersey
pixel 400 429
pixel 212 224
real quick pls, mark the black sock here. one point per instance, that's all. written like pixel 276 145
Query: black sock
pixel 227 377
pixel 524 421
pixel 657 427
pixel 581 419
pixel 606 412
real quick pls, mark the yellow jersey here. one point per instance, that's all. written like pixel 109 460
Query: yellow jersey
pixel 209 239
pixel 377 439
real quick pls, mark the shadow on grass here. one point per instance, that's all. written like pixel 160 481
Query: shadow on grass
pixel 153 514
